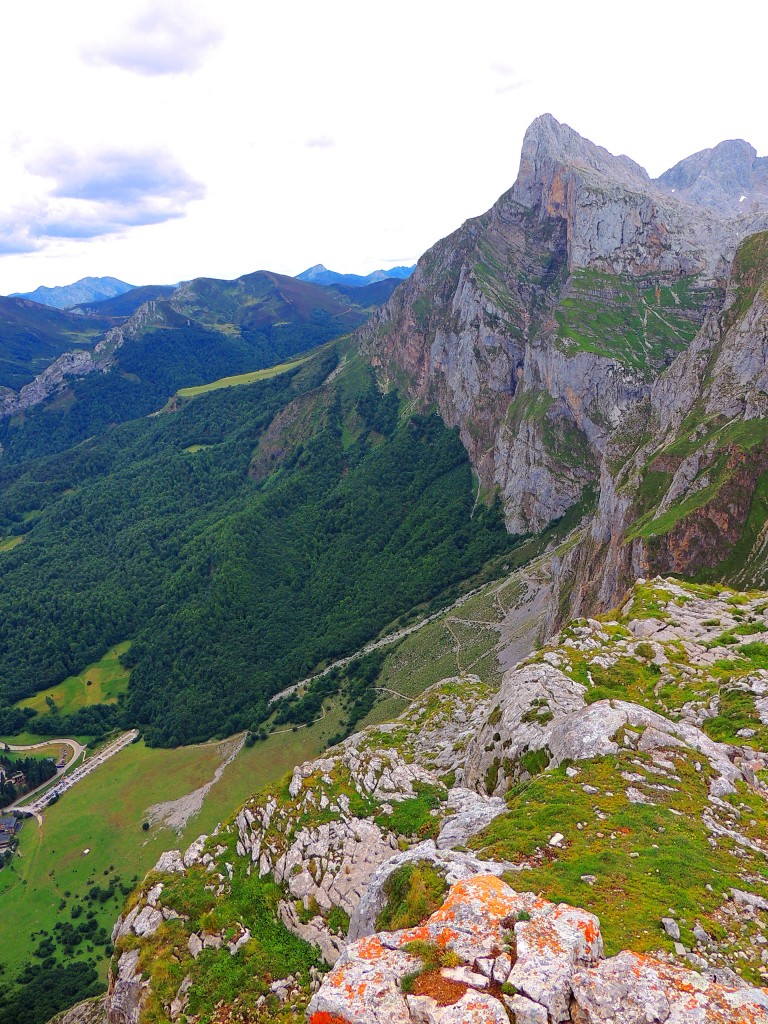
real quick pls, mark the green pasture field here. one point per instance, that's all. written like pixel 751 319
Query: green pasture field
pixel 107 677
pixel 104 814
pixel 242 378
pixel 9 543
pixel 49 750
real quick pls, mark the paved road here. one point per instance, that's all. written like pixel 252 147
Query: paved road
pixel 77 748
pixel 67 781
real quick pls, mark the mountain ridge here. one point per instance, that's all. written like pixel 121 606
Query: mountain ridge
pixel 87 289
pixel 597 734
pixel 320 274
pixel 544 329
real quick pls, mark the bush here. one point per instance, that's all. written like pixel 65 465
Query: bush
pixel 413 892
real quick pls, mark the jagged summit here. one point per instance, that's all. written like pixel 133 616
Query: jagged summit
pixel 729 178
pixel 549 144
pixel 620 220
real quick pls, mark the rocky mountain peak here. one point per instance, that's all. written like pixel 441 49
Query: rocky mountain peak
pixel 621 221
pixel 550 148
pixel 730 178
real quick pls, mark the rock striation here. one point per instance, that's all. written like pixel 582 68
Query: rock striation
pixel 590 336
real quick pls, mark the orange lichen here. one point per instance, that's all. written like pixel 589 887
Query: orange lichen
pixel 370 948
pixel 419 934
pixel 495 896
pixel 589 930
pixel 445 936
pixel 321 1017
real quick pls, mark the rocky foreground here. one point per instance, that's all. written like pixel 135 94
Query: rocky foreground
pixel 516 957
pixel 619 769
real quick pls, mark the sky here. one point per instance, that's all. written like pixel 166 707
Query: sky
pixel 157 142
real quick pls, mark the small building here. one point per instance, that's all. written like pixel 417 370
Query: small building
pixel 9 826
pixel 18 779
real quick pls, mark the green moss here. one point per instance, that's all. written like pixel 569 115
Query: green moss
pixel 338 920
pixel 492 775
pixel 413 817
pixel 413 892
pixel 628 319
pixel 535 761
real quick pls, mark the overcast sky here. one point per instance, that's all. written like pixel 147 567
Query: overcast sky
pixel 161 141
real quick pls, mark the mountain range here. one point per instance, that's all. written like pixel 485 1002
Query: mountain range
pixel 87 289
pixel 522 505
pixel 72 373
pixel 321 275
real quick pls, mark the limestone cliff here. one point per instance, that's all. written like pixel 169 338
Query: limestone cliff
pixel 544 329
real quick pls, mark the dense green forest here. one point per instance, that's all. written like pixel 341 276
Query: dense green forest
pixel 231 584
pixel 151 369
pixel 36 771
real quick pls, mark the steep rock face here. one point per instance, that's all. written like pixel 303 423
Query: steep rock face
pixel 690 498
pixel 539 328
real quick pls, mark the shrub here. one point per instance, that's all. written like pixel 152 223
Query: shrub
pixel 413 892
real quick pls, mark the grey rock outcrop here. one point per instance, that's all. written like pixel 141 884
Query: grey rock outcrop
pixel 128 990
pixel 90 1011
pixel 547 402
pixel 78 364
pixel 541 708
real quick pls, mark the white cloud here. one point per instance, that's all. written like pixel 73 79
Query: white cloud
pixel 88 195
pixel 164 39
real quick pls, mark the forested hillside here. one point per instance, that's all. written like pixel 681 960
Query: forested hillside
pixel 234 572
pixel 149 343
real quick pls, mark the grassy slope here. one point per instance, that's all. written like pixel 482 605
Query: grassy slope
pixel 108 679
pixel 644 859
pixel 628 319
pixel 242 378
pixel 105 812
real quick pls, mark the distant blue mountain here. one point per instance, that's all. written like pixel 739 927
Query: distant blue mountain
pixel 321 275
pixel 87 289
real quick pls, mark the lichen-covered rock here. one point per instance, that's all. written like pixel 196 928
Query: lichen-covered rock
pixel 475 922
pixel 633 989
pixel 555 970
pixel 455 865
